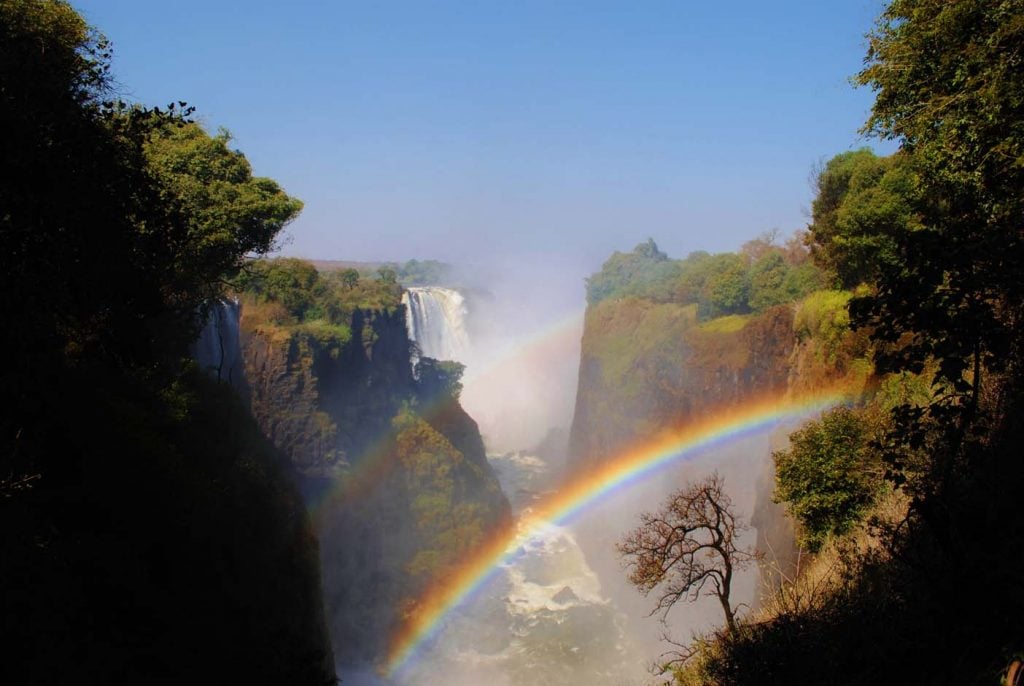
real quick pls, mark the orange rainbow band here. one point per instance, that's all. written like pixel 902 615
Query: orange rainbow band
pixel 628 468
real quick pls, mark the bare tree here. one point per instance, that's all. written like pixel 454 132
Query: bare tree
pixel 688 548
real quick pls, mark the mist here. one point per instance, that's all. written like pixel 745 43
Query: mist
pixel 525 322
pixel 564 606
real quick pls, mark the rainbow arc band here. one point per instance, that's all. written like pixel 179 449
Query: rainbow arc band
pixel 630 467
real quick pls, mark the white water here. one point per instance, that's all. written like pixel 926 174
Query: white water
pixel 561 610
pixel 436 320
pixel 543 620
pixel 218 350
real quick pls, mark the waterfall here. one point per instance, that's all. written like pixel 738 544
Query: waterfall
pixel 436 321
pixel 217 350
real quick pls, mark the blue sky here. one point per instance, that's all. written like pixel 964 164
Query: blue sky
pixel 504 132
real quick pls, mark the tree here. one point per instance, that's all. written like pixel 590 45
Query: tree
pixel 727 287
pixel 863 206
pixel 949 85
pixel 768 281
pixel 439 379
pixel 635 273
pixel 350 278
pixel 230 213
pixel 113 448
pixel 688 548
pixel 825 477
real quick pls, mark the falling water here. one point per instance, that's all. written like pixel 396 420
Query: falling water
pixel 436 320
pixel 217 350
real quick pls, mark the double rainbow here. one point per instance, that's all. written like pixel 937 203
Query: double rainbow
pixel 628 468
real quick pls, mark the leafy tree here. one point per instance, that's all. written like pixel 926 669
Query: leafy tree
pixel 768 283
pixel 112 451
pixel 632 273
pixel 439 379
pixel 826 477
pixel 693 272
pixel 949 86
pixel 81 215
pixel 291 282
pixel 230 213
pixel 727 288
pixel 350 278
pixel 863 206
pixel 689 548
pixel 387 275
pixel 802 279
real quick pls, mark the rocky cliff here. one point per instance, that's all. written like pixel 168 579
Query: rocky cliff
pixel 649 366
pixel 646 366
pixel 395 475
pixel 321 401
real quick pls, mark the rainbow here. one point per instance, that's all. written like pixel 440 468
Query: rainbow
pixel 628 468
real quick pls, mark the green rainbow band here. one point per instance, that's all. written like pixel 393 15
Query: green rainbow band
pixel 629 467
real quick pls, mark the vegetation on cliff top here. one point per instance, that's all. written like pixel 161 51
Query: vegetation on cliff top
pixel 290 295
pixel 761 276
pixel 666 340
pixel 147 530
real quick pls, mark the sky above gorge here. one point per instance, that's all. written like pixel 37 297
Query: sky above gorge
pixel 539 134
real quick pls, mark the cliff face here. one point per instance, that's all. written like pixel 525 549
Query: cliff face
pixel 323 403
pixel 398 482
pixel 646 366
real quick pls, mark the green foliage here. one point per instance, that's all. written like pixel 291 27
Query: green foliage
pixel 824 317
pixel 774 281
pixel 439 379
pixel 864 204
pixel 950 87
pixel 325 332
pixel 230 212
pixel 349 277
pixel 448 525
pixel 291 282
pixel 146 529
pixel 825 478
pixel 763 276
pixel 936 228
pixel 635 273
pixel 726 287
pixel 319 304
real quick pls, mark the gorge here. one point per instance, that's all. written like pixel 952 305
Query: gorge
pixel 385 457
pixel 221 464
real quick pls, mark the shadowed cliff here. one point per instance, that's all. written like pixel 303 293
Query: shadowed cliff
pixel 393 469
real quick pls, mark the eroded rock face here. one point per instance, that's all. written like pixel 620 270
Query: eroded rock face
pixel 398 484
pixel 647 366
pixel 324 404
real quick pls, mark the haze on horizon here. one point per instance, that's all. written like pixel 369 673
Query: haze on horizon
pixel 541 136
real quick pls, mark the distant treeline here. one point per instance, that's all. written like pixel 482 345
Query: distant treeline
pixel 411 273
pixel 763 274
